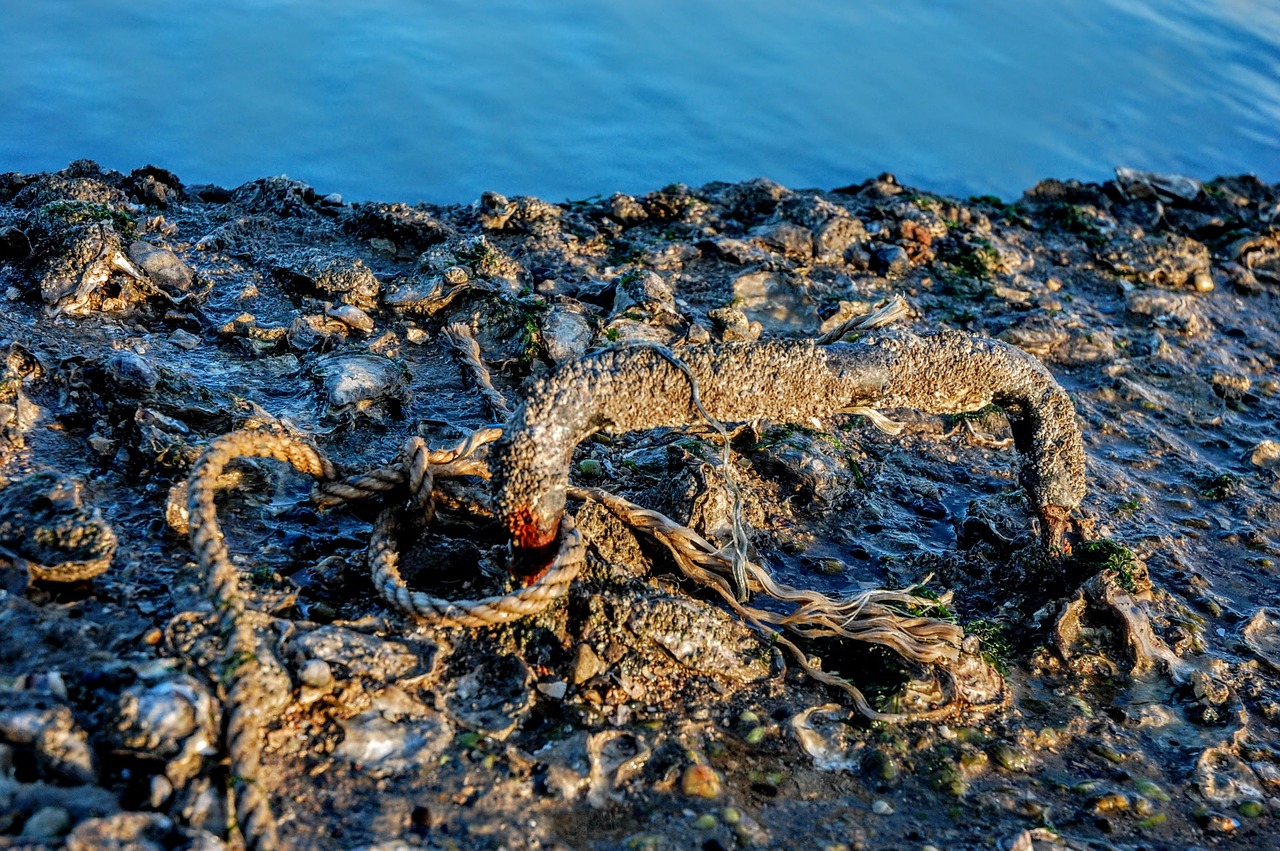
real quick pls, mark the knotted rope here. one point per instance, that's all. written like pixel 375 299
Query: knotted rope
pixel 416 470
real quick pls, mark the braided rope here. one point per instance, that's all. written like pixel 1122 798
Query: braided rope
pixel 417 468
pixel 384 561
pixel 454 461
pixel 244 693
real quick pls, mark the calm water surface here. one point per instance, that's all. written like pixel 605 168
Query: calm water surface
pixel 438 101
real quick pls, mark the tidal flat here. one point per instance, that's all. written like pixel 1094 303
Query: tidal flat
pixel 1118 690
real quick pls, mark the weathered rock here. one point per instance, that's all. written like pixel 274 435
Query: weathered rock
pixel 59 188
pixel 733 324
pixel 522 213
pixel 586 664
pixel 175 721
pixel 626 209
pixel 47 823
pixel 346 279
pixel 737 251
pixel 491 696
pixel 701 639
pixel 155 186
pixel 474 256
pixel 61 747
pixel 45 523
pixel 495 210
pixel 1262 635
pixel 892 261
pixel 1166 310
pixel 361 655
pixel 644 293
pixel 1144 185
pixel 360 383
pixel 781 304
pixel 239 236
pixel 405 229
pixel 812 466
pixel 751 201
pixel 836 236
pixel 132 373
pixel 1231 386
pixel 132 832
pixel 566 334
pixel 76 265
pixel 1266 454
pixel 278 196
pixel 787 238
pixel 1165 260
pixel 1085 347
pixel 163 268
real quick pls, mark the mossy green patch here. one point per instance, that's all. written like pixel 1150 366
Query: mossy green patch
pixel 86 212
pixel 1111 556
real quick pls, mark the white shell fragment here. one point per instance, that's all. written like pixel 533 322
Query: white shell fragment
pixel 823 732
pixel 360 380
pixel 1262 636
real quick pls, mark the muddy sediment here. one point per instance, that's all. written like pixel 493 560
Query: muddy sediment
pixel 1123 695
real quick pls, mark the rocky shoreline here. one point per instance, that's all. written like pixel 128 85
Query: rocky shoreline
pixel 1134 703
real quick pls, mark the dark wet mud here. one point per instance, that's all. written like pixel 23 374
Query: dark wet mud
pixel 1130 687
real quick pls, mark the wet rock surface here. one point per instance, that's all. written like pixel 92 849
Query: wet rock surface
pixel 1135 703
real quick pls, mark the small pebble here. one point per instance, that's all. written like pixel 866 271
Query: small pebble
pixel 47 823
pixel 1149 789
pixel 1107 752
pixel 1250 809
pixel 555 690
pixel 882 808
pixel 1115 802
pixel 1266 454
pixel 701 781
pixel 706 821
pixel 184 339
pixel 586 665
pixel 1218 823
pixel 161 790
pixel 1011 757
pixel 316 673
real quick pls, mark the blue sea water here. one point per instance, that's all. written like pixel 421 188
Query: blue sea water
pixel 438 100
